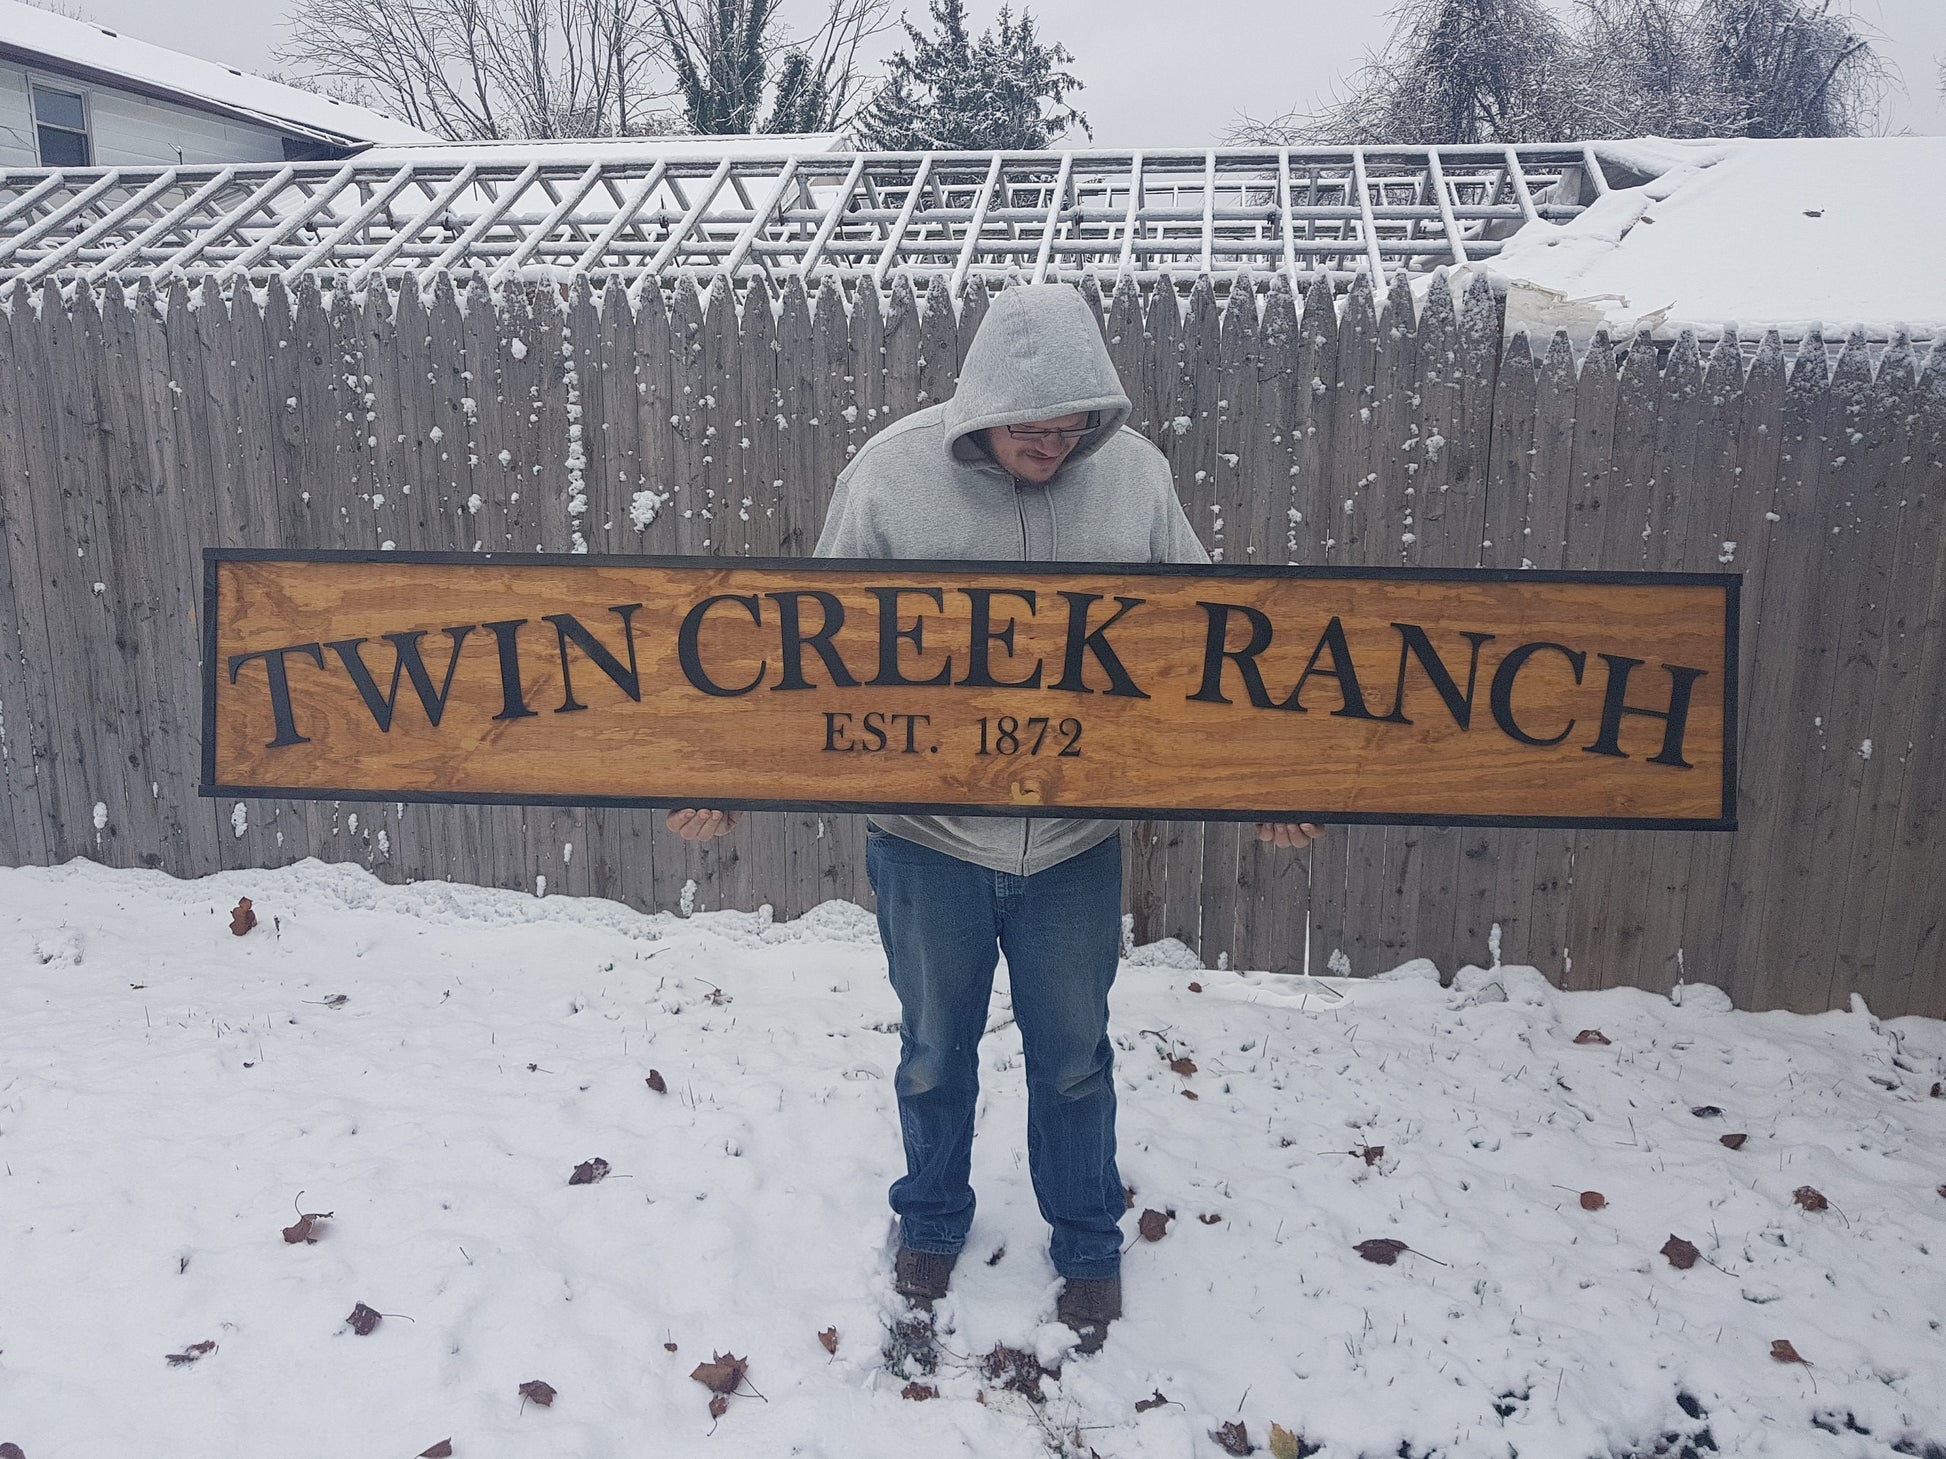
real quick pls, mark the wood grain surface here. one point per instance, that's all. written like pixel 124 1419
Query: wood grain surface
pixel 1398 695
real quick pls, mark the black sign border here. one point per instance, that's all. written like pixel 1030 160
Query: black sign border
pixel 1730 583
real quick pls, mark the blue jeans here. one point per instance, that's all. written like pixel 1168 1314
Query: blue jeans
pixel 944 922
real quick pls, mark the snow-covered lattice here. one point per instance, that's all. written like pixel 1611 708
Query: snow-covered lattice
pixel 1313 212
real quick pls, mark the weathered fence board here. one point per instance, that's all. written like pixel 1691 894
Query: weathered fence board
pixel 137 428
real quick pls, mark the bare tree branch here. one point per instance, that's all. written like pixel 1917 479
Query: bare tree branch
pixel 1510 71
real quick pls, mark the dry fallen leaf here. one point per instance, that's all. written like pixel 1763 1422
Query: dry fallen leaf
pixel 1783 1352
pixel 305 1228
pixel 719 1404
pixel 1233 1438
pixel 1735 1142
pixel 1190 1094
pixel 1706 1111
pixel 1128 1198
pixel 336 1000
pixel 442 1450
pixel 1154 1224
pixel 1381 1249
pixel 1184 1066
pixel 669 1347
pixel 654 1081
pixel 242 919
pixel 363 1319
pixel 589 1171
pixel 829 1337
pixel 11 1451
pixel 1593 1200
pixel 191 1353
pixel 1016 1370
pixel 1195 987
pixel 1143 1405
pixel 1372 1154
pixel 918 1392
pixel 1592 1036
pixel 539 1392
pixel 1810 1198
pixel 1682 1255
pixel 722 1374
pixel 1286 1445
pixel 1209 1218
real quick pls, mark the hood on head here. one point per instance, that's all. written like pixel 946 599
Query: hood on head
pixel 1038 354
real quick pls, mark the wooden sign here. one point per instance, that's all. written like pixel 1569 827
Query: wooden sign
pixel 1379 695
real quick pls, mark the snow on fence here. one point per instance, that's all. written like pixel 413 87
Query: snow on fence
pixel 137 427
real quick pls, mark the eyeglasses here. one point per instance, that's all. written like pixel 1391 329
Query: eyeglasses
pixel 1066 435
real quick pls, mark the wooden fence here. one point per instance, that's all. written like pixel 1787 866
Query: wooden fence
pixel 137 428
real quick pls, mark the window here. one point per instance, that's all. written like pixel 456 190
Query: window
pixel 61 122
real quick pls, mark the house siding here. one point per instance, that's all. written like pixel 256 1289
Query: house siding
pixel 17 147
pixel 128 130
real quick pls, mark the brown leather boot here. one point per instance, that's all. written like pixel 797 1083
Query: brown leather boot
pixel 1088 1307
pixel 922 1277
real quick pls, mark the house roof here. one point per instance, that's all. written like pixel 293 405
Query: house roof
pixel 580 152
pixel 1764 234
pixel 94 53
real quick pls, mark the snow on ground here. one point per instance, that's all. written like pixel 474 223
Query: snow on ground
pixel 429 1064
pixel 1767 234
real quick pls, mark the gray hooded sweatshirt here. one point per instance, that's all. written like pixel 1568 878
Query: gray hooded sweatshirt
pixel 926 488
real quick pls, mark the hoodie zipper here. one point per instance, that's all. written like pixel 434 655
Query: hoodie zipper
pixel 1020 509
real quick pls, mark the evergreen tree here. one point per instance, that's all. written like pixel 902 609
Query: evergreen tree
pixel 802 101
pixel 719 57
pixel 1005 90
pixel 724 54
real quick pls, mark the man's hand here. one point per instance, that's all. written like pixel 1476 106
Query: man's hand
pixel 1294 834
pixel 694 825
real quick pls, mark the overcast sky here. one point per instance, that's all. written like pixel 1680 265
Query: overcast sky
pixel 1158 72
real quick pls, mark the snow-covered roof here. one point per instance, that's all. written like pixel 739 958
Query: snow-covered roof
pixel 584 151
pixel 640 211
pixel 1762 234
pixel 93 52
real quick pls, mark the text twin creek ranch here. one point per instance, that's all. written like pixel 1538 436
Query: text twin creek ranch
pixel 1519 698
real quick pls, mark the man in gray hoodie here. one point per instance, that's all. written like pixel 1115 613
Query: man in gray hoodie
pixel 1030 461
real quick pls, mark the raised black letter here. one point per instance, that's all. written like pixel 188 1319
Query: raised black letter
pixel 1080 639
pixel 1413 642
pixel 513 704
pixel 569 628
pixel 796 640
pixel 280 689
pixel 405 660
pixel 1675 719
pixel 691 660
pixel 889 634
pixel 1502 697
pixel 978 673
pixel 1333 638
pixel 1216 648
